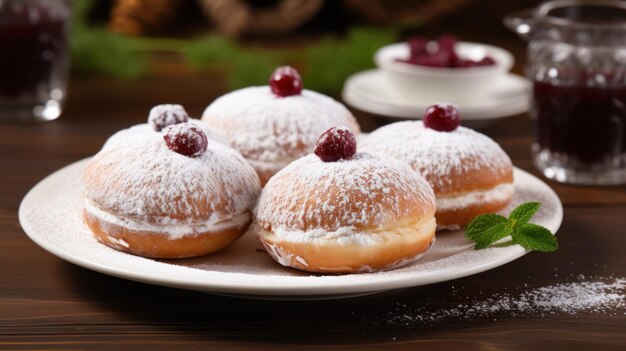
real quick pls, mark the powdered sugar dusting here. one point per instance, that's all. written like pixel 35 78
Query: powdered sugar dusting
pixel 605 295
pixel 147 182
pixel 268 128
pixel 438 156
pixel 364 191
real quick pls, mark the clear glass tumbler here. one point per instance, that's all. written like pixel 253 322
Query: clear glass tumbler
pixel 34 59
pixel 577 63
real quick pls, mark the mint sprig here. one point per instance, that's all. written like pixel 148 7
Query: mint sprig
pixel 486 229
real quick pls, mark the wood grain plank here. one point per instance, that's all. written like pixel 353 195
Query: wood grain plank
pixel 49 300
pixel 47 303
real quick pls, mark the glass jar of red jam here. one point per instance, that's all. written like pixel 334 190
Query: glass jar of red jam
pixel 34 59
pixel 577 63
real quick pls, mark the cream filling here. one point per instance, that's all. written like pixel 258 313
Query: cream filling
pixel 174 231
pixel 500 193
pixel 348 236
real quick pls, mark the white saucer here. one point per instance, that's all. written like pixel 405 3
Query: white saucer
pixel 50 214
pixel 369 91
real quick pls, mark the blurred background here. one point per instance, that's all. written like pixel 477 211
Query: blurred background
pixel 218 45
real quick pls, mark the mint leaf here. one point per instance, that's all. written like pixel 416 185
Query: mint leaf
pixel 487 229
pixel 493 234
pixel 524 212
pixel 482 222
pixel 535 237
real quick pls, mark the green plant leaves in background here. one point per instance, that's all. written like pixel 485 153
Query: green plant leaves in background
pixel 103 53
pixel 324 64
pixel 94 50
pixel 331 61
pixel 245 66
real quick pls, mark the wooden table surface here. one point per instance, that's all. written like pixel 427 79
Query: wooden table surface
pixel 47 303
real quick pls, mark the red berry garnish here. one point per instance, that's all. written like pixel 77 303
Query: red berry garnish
pixel 445 49
pixel 439 59
pixel 442 117
pixel 185 139
pixel 165 115
pixel 443 55
pixel 285 81
pixel 418 46
pixel 486 61
pixel 335 144
pixel 464 63
pixel 446 42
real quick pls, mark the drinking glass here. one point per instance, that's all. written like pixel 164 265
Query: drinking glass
pixel 577 63
pixel 34 58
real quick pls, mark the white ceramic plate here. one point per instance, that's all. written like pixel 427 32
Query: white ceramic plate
pixel 369 91
pixel 51 216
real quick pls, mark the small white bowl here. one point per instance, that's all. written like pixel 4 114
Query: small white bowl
pixel 443 84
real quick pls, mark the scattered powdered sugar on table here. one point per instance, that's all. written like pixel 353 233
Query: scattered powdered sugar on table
pixel 601 295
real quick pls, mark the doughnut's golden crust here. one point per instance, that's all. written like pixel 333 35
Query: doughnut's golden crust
pixel 265 175
pixel 462 216
pixel 472 171
pixel 275 131
pixel 364 214
pixel 399 247
pixel 286 183
pixel 104 171
pixel 468 180
pixel 475 180
pixel 160 245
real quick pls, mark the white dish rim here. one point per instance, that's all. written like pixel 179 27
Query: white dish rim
pixel 287 288
pixel 513 106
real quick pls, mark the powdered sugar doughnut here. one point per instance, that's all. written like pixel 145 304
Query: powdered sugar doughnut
pixel 271 131
pixel 148 200
pixel 364 214
pixel 469 172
